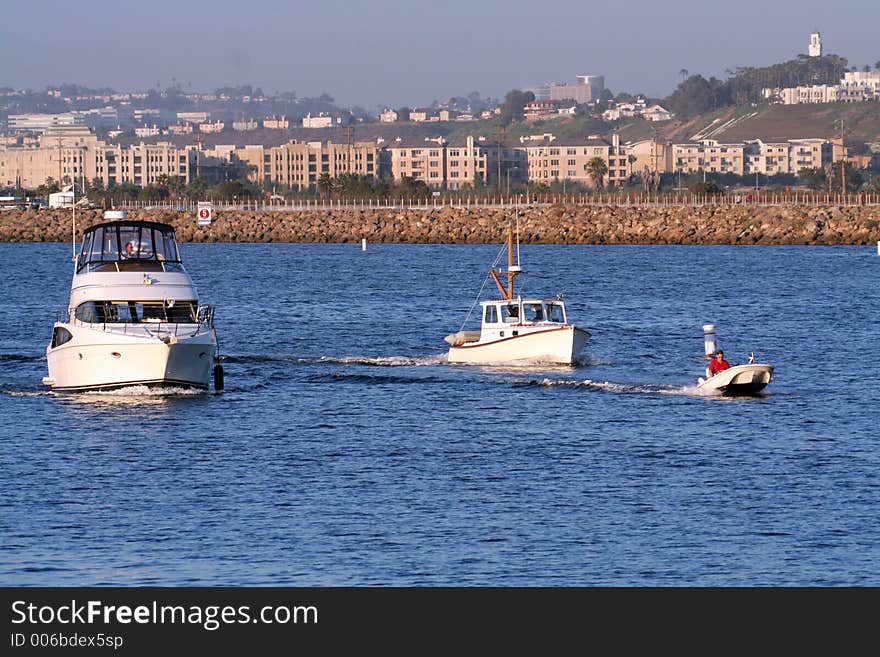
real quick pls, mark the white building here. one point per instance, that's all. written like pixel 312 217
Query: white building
pixel 217 126
pixel 41 121
pixel 276 123
pixel 388 116
pixel 245 126
pixel 147 131
pixel 320 121
pixel 657 113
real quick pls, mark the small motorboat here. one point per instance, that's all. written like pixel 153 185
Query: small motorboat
pixel 748 379
pixel 517 330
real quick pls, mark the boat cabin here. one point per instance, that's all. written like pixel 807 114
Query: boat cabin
pixel 129 246
pixel 523 312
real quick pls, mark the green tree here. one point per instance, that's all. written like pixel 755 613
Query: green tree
pixel 512 109
pixel 596 168
pixel 196 190
pixel 710 187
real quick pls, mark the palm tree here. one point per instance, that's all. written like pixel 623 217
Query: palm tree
pixel 325 184
pixel 597 169
pixel 684 73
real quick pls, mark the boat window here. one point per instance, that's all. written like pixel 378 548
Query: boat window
pixel 132 312
pixel 60 335
pixel 106 245
pixel 510 312
pixel 534 312
pixel 556 313
pixel 90 311
pixel 140 242
pixel 491 315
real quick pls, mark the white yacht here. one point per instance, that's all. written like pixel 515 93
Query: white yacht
pixel 517 330
pixel 134 317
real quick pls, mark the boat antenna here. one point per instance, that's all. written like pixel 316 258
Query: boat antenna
pixel 73 232
pixel 517 239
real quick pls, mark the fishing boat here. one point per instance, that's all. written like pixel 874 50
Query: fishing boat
pixel 517 330
pixel 133 317
pixel 747 379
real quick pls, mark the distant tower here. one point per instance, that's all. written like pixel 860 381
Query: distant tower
pixel 815 45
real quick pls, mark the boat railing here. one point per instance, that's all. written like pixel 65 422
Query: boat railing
pixel 204 318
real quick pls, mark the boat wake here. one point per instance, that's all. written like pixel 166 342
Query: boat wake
pixel 620 388
pixel 387 361
pixel 375 361
pixel 145 391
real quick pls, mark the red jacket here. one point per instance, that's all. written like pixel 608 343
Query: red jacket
pixel 717 366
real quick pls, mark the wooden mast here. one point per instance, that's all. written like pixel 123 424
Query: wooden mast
pixel 507 293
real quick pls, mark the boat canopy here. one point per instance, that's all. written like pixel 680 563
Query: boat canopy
pixel 126 245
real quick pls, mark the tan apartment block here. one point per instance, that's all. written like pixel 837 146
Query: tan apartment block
pixel 465 161
pixel 63 153
pixel 808 154
pixel 768 158
pixel 650 156
pixel 749 157
pixel 144 164
pixel 549 159
pixel 299 165
pixel 423 160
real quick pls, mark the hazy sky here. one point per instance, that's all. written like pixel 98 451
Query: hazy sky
pixel 397 53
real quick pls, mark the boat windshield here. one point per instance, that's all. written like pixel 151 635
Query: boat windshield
pixel 122 246
pixel 135 312
pixel 555 312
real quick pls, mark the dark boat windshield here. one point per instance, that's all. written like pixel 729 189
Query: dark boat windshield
pixel 129 245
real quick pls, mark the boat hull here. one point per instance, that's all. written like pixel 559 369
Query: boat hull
pixel 558 346
pixel 98 359
pixel 740 380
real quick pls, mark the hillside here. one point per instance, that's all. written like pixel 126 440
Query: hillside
pixel 766 122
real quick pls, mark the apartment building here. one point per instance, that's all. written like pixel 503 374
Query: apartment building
pixel 808 154
pixel 649 156
pixel 299 165
pixel 75 155
pixel 548 159
pixel 420 159
pixel 143 164
pixel 276 123
pixel 466 161
pixel 857 86
pixel 710 156
pixel 41 122
pixel 750 157
pixel 63 153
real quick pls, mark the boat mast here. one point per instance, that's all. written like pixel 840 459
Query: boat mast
pixel 512 270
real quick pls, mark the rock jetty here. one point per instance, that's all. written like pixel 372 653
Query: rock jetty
pixel 552 224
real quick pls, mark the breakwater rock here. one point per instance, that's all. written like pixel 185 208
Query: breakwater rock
pixel 552 224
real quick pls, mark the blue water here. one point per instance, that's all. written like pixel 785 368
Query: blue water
pixel 345 451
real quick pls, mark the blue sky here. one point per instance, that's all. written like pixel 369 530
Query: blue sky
pixel 395 53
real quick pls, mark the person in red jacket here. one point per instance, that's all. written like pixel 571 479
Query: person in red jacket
pixel 718 363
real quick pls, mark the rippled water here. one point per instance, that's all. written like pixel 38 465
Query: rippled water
pixel 345 451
